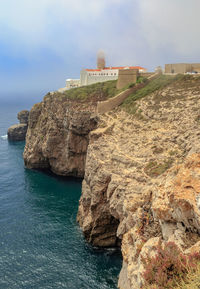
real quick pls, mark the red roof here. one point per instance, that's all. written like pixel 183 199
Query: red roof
pixel 119 67
pixel 92 69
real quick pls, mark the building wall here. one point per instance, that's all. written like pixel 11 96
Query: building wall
pixel 83 77
pixel 182 67
pixel 71 83
pixel 90 77
pixel 126 76
pixel 196 67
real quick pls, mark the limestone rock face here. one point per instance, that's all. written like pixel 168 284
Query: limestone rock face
pixel 57 136
pixel 142 179
pixel 17 132
pixel 141 172
pixel 23 116
pixel 176 203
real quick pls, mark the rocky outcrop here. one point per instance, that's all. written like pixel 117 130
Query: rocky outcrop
pixel 57 136
pixel 18 132
pixel 23 116
pixel 142 173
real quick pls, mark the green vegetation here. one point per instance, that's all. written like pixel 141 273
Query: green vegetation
pixel 170 268
pixel 142 79
pixel 173 152
pixel 96 91
pixel 153 85
pixel 154 168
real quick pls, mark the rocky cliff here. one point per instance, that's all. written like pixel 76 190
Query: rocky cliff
pixel 141 171
pixel 142 178
pixel 57 136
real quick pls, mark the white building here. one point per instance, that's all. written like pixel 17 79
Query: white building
pixel 71 83
pixel 101 74
pixel 90 76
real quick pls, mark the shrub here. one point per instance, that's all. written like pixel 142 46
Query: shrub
pixel 141 79
pixel 131 85
pixel 169 267
pixel 155 169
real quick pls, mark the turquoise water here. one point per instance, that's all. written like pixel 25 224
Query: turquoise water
pixel 41 245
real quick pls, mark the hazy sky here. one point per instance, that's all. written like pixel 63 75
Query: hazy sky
pixel 43 42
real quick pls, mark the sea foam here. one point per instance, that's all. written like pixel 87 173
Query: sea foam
pixel 4 137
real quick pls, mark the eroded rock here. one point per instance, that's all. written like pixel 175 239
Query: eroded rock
pixel 57 136
pixel 141 182
pixel 23 116
pixel 137 172
pixel 17 132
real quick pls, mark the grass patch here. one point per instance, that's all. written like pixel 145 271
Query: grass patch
pixel 155 169
pixel 156 84
pixel 97 91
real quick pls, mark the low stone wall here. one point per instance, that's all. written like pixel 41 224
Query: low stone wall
pixel 109 104
pixel 147 74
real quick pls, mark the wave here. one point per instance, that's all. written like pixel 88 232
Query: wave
pixel 4 137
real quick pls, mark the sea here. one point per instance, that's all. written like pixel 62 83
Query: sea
pixel 41 244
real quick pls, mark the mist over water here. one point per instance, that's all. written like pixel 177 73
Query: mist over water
pixel 41 245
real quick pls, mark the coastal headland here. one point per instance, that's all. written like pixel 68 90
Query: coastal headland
pixel 140 164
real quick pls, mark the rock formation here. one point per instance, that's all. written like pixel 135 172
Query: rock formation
pixel 18 132
pixel 23 116
pixel 57 136
pixel 141 172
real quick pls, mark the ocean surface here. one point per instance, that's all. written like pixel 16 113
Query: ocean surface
pixel 41 245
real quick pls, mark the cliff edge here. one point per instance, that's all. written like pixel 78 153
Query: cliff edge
pixel 142 177
pixel 57 136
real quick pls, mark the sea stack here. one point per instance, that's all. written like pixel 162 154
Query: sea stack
pixel 18 132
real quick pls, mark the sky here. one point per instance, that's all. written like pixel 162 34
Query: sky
pixel 44 42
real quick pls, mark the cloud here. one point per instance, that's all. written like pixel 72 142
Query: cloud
pixel 122 27
pixel 68 28
pixel 172 25
pixel 36 23
pixel 57 38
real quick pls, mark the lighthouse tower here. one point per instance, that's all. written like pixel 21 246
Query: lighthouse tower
pixel 101 63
